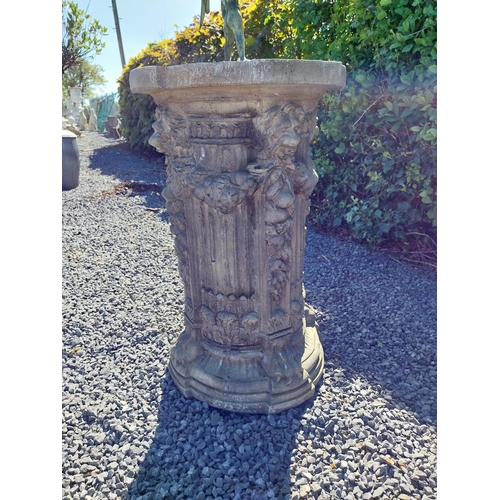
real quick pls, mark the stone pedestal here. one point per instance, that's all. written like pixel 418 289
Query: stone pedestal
pixel 236 137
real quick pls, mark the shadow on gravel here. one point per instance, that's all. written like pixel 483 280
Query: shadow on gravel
pixel 378 323
pixel 406 382
pixel 199 451
pixel 139 174
pixel 375 324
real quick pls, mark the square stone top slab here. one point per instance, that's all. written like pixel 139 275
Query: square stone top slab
pixel 325 75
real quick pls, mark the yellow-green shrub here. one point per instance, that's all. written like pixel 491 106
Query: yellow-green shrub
pixel 376 153
pixel 189 45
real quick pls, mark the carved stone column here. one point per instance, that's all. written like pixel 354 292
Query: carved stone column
pixel 236 137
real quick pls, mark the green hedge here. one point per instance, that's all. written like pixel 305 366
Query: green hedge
pixel 376 156
pixel 376 153
pixel 137 111
pixel 189 45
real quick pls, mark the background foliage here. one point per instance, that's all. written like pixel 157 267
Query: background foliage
pixel 81 41
pixel 191 44
pixel 81 36
pixel 376 156
pixel 86 75
pixel 376 153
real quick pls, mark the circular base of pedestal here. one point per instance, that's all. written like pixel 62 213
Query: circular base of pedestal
pixel 268 380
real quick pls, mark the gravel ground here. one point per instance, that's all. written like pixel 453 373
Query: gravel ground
pixel 369 432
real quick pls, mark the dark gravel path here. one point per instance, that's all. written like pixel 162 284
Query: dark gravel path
pixel 369 433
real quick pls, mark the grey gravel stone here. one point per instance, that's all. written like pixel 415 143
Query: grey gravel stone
pixel 406 487
pixel 379 492
pixel 122 311
pixel 304 491
pixel 316 488
pixel 370 446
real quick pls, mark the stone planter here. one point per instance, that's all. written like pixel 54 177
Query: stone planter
pixel 70 161
pixel 113 121
pixel 236 137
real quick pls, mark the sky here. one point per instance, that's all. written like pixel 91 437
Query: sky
pixel 141 22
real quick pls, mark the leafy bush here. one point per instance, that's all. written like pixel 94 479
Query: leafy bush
pixel 137 111
pixel 81 36
pixel 376 155
pixel 191 44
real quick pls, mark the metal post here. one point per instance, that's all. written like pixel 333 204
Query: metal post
pixel 118 33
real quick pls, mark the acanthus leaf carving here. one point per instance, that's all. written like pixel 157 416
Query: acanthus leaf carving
pixel 279 320
pixel 225 328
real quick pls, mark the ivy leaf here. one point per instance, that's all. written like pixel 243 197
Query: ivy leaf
pixel 424 194
pixel 403 206
pixel 430 135
pixel 340 148
pixel 405 79
pixel 360 77
pixel 432 214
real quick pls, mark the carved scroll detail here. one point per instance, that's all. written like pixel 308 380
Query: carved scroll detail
pixel 173 196
pixel 171 137
pixel 283 135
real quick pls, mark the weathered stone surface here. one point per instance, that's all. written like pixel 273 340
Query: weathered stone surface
pixel 236 138
pixel 70 160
